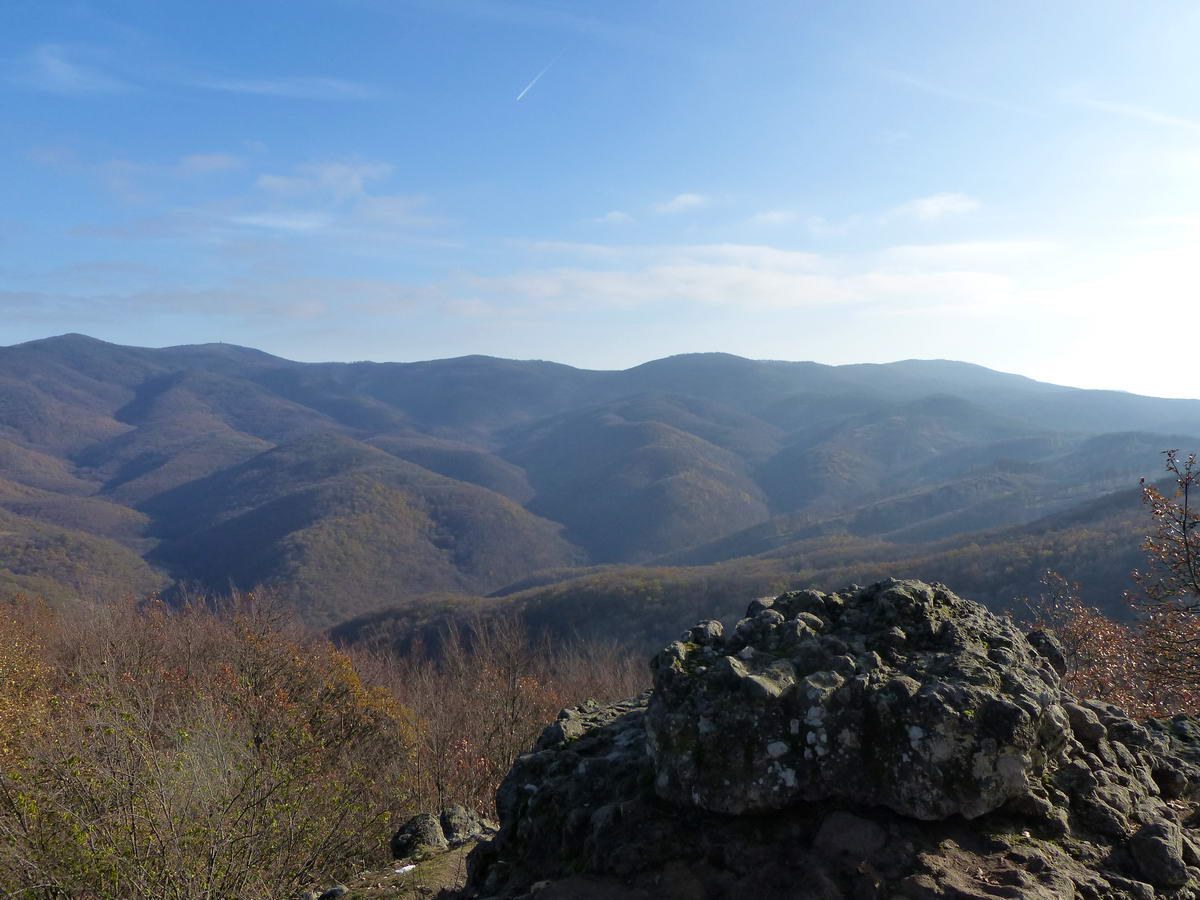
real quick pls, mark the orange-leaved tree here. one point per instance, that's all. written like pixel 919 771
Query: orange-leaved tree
pixel 1169 586
pixel 1150 666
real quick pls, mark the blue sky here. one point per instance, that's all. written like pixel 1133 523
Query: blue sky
pixel 1015 184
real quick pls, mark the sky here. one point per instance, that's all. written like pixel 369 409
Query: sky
pixel 1012 184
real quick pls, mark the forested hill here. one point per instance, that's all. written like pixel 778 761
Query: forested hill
pixel 358 487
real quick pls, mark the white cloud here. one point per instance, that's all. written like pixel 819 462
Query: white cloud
pixel 614 217
pixel 304 298
pixel 1169 222
pixel 819 226
pixel 298 88
pixel 680 203
pixel 754 255
pixel 970 254
pixel 737 254
pixel 772 217
pixel 735 276
pixel 736 286
pixel 204 163
pixel 337 200
pixel 334 200
pixel 341 180
pixel 395 210
pixel 922 209
pixel 52 68
pixel 293 221
pixel 935 206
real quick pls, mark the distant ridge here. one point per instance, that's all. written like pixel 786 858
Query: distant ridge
pixel 363 486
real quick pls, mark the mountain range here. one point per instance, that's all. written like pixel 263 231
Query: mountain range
pixel 365 492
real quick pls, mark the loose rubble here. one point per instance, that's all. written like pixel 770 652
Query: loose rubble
pixel 893 741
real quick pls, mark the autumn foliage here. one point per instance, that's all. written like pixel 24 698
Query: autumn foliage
pixel 169 754
pixel 488 693
pixel 1149 665
pixel 215 753
pixel 214 750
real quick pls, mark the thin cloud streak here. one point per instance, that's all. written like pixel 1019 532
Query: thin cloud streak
pixel 537 78
pixel 1139 113
pixel 938 90
pixel 51 68
pixel 296 88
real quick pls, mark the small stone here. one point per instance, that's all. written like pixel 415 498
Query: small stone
pixel 1135 890
pixel 728 669
pixel 1171 782
pixel 460 824
pixel 768 618
pixel 708 633
pixel 1158 849
pixel 1031 806
pixel 1085 724
pixel 1046 644
pixel 758 605
pixel 812 621
pixel 420 834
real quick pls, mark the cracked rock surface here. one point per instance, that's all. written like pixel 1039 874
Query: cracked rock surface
pixel 893 741
pixel 899 695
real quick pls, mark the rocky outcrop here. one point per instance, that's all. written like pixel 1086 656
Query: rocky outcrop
pixel 903 696
pixel 893 741
pixel 425 834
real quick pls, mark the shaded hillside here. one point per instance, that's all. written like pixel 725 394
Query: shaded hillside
pixel 354 486
pixel 1096 544
pixel 460 461
pixel 93 515
pixel 629 486
pixel 38 559
pixel 861 456
pixel 341 527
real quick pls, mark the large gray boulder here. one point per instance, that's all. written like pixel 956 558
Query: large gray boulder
pixel 899 695
pixel 893 742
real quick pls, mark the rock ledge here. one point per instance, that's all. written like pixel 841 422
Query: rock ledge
pixel 893 741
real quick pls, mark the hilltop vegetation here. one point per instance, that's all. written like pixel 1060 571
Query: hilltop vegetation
pixel 185 753
pixel 647 606
pixel 39 559
pixel 361 488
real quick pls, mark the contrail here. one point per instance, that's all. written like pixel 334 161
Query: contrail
pixel 537 78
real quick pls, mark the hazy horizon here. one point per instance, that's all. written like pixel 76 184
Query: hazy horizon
pixel 588 368
pixel 1016 186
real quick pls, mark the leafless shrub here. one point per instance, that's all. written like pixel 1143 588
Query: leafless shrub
pixel 188 754
pixel 486 695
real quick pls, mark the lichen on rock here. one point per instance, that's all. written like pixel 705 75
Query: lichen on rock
pixel 899 694
pixel 890 741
